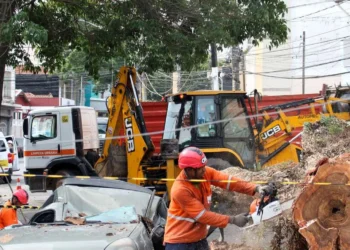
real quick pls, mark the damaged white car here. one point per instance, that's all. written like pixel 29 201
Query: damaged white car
pixel 93 214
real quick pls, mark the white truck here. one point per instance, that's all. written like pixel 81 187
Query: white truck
pixel 59 141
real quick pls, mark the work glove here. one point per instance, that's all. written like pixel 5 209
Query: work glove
pixel 264 190
pixel 239 220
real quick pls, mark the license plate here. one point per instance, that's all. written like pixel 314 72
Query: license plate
pixel 4 163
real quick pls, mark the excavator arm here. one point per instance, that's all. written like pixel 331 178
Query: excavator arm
pixel 273 146
pixel 127 143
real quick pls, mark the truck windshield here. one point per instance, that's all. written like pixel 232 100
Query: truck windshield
pixel 43 127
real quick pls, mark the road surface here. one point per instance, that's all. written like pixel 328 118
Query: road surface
pixel 35 199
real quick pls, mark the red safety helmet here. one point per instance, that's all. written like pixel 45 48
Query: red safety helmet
pixel 192 157
pixel 22 196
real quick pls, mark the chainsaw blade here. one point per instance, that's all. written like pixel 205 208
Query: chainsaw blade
pixel 270 211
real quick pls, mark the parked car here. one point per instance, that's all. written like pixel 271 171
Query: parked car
pixel 113 215
pixel 8 156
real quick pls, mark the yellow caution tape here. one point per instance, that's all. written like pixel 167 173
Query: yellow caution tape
pixel 21 207
pixel 173 179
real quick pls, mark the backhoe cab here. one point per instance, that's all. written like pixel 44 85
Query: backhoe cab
pixel 215 121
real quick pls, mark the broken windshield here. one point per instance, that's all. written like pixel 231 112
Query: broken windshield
pixel 102 204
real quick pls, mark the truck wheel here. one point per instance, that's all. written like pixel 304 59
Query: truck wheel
pixel 218 164
pixel 58 182
pixel 7 179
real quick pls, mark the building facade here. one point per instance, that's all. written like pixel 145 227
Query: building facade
pixel 8 101
pixel 327 46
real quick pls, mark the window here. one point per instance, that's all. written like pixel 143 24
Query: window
pixel 185 131
pixel 44 127
pixel 7 84
pixel 171 120
pixel 236 130
pixel 2 146
pixel 238 125
pixel 102 128
pixel 206 113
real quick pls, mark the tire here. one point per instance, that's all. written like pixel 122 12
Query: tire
pixel 7 179
pixel 218 164
pixel 58 182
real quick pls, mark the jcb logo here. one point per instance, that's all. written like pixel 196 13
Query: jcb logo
pixel 129 134
pixel 271 132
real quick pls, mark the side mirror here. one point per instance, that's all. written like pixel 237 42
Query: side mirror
pixel 25 127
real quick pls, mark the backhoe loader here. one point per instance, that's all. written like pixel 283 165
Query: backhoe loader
pixel 217 122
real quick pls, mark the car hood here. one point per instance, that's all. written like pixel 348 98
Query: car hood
pixel 91 236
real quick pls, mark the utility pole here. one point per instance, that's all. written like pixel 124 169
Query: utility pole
pixel 175 81
pixel 81 90
pixel 214 67
pixel 64 90
pixel 143 87
pixel 236 58
pixel 303 62
pixel 71 89
pixel 178 69
pixel 243 70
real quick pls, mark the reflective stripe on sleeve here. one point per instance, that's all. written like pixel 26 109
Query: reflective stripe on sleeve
pixel 228 183
pixel 199 215
pixel 182 218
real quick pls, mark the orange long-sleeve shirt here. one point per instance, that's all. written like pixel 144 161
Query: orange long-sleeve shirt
pixel 189 212
pixel 8 216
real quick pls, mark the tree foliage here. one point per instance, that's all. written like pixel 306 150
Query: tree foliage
pixel 150 34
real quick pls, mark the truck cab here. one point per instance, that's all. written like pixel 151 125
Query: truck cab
pixel 59 141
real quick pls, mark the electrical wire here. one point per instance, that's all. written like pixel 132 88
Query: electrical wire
pixel 313 13
pixel 306 67
pixel 315 3
pixel 308 37
pixel 299 78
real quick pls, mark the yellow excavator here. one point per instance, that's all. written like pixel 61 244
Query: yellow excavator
pixel 217 122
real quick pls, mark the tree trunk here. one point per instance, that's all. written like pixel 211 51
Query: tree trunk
pixel 7 8
pixel 322 211
pixel 2 72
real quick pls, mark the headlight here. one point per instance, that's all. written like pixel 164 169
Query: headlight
pixel 122 244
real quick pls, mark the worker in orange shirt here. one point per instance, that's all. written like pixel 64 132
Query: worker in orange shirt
pixel 189 212
pixel 8 216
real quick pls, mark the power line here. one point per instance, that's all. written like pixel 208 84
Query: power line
pixel 309 44
pixel 313 12
pixel 315 3
pixel 274 51
pixel 299 78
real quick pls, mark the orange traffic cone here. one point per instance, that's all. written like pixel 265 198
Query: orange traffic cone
pixel 18 184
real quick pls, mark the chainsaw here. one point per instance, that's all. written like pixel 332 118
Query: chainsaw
pixel 265 208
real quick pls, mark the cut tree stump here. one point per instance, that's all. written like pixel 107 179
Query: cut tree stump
pixel 323 211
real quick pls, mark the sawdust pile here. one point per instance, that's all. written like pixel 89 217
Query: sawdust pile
pixel 327 138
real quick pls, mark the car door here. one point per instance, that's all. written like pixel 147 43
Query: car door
pixel 3 154
pixel 15 165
